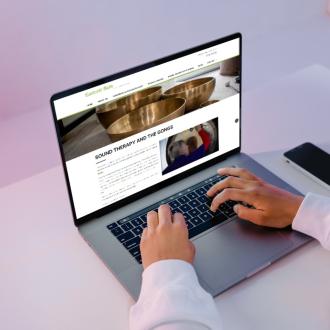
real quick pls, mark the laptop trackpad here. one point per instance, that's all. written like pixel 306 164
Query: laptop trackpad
pixel 228 254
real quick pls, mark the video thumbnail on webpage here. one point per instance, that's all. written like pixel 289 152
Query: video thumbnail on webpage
pixel 188 146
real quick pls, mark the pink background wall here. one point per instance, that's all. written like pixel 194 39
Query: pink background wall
pixel 48 46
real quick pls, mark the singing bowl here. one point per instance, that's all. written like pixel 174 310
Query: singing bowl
pixel 140 98
pixel 146 117
pixel 205 104
pixel 195 92
pixel 109 112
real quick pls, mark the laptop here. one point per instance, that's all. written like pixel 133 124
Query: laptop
pixel 155 134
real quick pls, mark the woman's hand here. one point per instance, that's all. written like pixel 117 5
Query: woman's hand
pixel 272 206
pixel 166 237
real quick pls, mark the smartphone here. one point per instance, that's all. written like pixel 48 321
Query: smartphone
pixel 312 161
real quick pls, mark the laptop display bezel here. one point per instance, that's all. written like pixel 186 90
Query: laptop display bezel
pixel 151 189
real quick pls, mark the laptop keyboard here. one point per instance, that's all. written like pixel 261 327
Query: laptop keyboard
pixel 193 203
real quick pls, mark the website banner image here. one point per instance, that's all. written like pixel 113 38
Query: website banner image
pixel 116 120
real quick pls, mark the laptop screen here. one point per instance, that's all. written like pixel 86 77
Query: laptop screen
pixel 134 130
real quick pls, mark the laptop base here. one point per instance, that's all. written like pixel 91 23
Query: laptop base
pixel 225 254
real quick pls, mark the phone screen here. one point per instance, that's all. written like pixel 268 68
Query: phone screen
pixel 312 159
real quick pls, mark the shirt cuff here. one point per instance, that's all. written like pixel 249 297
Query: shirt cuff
pixel 160 273
pixel 313 218
pixel 171 294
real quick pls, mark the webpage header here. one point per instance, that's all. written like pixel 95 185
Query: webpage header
pixel 118 88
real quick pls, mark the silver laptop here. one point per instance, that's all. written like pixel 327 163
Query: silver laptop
pixel 156 134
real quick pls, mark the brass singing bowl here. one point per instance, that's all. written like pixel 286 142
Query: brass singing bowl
pixel 109 112
pixel 195 92
pixel 140 98
pixel 146 117
pixel 204 104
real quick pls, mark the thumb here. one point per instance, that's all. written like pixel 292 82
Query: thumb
pixel 246 213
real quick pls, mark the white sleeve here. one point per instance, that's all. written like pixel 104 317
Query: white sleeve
pixel 171 298
pixel 313 218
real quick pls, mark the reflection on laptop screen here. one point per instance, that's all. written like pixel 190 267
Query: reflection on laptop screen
pixel 131 133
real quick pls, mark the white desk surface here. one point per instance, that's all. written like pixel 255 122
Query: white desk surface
pixel 51 279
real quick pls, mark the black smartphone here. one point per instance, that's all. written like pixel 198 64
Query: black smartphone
pixel 311 160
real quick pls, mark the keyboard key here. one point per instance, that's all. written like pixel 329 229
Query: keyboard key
pixel 189 225
pixel 208 201
pixel 205 216
pixel 203 199
pixel 200 228
pixel 122 221
pixel 196 221
pixel 227 206
pixel 183 200
pixel 203 208
pixel 144 223
pixel 127 226
pixel 143 217
pixel 137 221
pixel 193 213
pixel 117 231
pixel 231 203
pixel 194 203
pixel 134 242
pixel 135 252
pixel 138 259
pixel 217 212
pixel 125 237
pixel 184 208
pixel 206 225
pixel 185 215
pixel 218 178
pixel 174 205
pixel 137 230
pixel 208 186
pixel 112 225
pixel 200 191
pixel 229 212
pixel 220 217
pixel 223 207
pixel 192 195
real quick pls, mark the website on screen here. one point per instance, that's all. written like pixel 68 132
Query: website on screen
pixel 131 133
